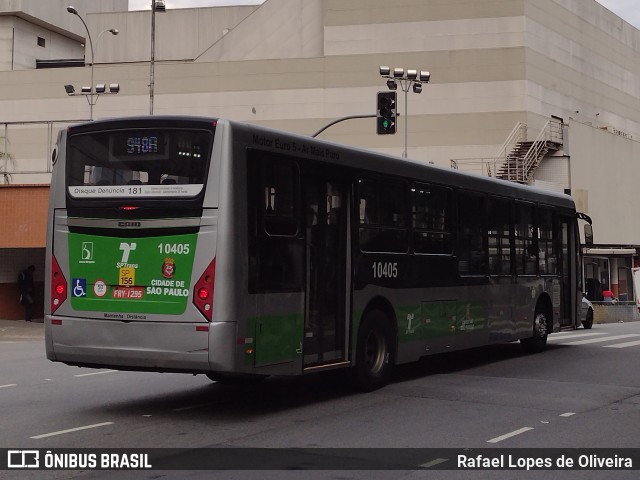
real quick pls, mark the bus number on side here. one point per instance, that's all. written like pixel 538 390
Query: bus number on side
pixel 175 248
pixel 385 269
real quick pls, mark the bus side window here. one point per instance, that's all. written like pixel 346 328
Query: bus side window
pixel 383 215
pixel 280 197
pixel 525 237
pixel 431 219
pixel 276 254
pixel 548 260
pixel 472 257
pixel 499 236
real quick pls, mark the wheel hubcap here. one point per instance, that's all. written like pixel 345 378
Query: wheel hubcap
pixel 540 327
pixel 375 352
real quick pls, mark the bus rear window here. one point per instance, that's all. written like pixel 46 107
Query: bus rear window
pixel 141 162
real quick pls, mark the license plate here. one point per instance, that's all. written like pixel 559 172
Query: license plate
pixel 127 293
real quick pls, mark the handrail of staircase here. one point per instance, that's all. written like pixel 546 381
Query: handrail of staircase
pixel 519 133
pixel 539 144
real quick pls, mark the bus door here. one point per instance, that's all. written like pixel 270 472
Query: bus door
pixel 326 208
pixel 569 281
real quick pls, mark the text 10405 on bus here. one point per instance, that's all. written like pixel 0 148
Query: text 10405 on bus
pixel 201 245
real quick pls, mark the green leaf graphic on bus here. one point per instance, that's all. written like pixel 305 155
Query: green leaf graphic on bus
pixel 133 275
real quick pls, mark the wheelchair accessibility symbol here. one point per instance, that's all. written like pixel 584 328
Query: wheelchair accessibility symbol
pixel 79 287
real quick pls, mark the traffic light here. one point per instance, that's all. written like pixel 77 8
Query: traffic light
pixel 386 113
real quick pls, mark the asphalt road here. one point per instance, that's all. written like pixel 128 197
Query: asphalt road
pixel 583 392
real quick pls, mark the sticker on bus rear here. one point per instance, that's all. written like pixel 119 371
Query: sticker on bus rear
pixel 133 275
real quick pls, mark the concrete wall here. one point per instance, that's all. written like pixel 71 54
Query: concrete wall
pixel 278 29
pixel 181 35
pixel 53 13
pixel 23 21
pixel 19 48
pixel 582 62
pixel 297 65
pixel 604 182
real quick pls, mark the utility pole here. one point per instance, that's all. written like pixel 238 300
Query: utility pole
pixel 406 80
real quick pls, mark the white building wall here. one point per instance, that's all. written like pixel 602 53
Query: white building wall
pixel 297 65
pixel 6 43
pixel 605 169
pixel 181 35
pixel 278 29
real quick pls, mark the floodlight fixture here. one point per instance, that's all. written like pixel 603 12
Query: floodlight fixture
pixel 425 76
pixel 70 90
pixel 101 88
pixel 159 6
pixel 412 74
pixel 114 87
pixel 85 90
pixel 384 71
pixel 392 85
pixel 398 72
pixel 417 87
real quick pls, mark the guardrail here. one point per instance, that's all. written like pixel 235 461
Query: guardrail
pixel 480 166
pixel 604 312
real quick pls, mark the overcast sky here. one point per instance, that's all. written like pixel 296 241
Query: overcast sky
pixel 627 9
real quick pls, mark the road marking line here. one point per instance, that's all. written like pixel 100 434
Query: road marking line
pixel 95 373
pixel 568 414
pixel 509 435
pixel 9 385
pixel 602 339
pixel 61 432
pixel 623 345
pixel 563 336
pixel 434 462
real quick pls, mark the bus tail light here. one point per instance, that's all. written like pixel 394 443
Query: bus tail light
pixel 58 285
pixel 203 291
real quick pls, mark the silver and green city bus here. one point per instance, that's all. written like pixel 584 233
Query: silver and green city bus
pixel 201 245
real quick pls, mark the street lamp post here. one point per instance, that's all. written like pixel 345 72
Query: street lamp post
pixel 408 79
pixel 156 5
pixel 92 97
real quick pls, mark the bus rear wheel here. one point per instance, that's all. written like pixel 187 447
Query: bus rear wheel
pixel 374 352
pixel 538 342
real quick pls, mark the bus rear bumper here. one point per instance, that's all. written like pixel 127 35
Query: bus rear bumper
pixel 145 346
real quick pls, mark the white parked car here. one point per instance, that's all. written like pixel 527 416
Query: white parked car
pixel 586 312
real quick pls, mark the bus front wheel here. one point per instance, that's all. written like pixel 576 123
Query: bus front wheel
pixel 538 342
pixel 374 352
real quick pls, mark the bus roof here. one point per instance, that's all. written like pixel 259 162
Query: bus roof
pixel 353 157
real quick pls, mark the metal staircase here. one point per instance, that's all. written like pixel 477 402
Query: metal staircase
pixel 519 157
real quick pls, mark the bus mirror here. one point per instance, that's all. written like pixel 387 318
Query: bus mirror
pixel 588 235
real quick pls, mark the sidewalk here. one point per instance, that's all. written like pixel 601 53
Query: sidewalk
pixel 19 330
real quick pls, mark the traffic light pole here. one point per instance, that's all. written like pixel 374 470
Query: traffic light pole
pixel 409 79
pixel 350 117
pixel 405 89
pixel 405 85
